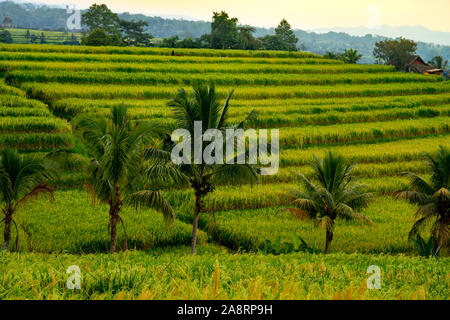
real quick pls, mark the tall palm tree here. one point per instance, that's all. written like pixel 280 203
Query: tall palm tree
pixel 21 178
pixel 204 107
pixel 433 197
pixel 117 169
pixel 336 194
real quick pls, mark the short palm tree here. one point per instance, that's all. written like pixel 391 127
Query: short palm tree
pixel 433 198
pixel 335 194
pixel 21 178
pixel 117 169
pixel 204 107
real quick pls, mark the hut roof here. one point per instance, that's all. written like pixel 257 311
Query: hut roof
pixel 7 20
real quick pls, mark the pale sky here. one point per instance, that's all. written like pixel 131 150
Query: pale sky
pixel 302 14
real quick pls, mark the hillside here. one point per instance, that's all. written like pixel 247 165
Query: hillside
pixel 51 18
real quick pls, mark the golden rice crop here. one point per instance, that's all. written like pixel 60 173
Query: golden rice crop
pixel 195 66
pixel 56 91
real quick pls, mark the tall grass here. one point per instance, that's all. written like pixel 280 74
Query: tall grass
pixel 216 274
pixel 194 66
pixel 159 78
pixel 156 51
pixel 56 91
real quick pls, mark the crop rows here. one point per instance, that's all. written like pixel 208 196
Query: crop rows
pixel 200 67
pixel 28 124
pixel 158 108
pixel 56 91
pixel 302 136
pixel 218 78
pixel 156 51
pixel 137 59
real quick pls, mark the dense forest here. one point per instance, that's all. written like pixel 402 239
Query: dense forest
pixel 50 18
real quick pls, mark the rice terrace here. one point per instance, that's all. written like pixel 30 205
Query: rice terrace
pixel 85 139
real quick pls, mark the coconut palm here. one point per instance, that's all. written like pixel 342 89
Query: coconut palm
pixel 21 178
pixel 117 169
pixel 204 107
pixel 335 194
pixel 246 39
pixel 350 56
pixel 433 197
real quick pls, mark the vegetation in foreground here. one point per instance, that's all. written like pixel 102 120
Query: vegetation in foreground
pixel 216 274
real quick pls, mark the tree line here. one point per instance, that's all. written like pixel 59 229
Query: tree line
pixel 103 27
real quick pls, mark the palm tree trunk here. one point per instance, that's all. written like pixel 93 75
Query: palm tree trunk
pixel 197 209
pixel 113 228
pixel 328 239
pixel 7 232
pixel 436 245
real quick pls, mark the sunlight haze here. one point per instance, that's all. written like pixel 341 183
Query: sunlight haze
pixel 302 14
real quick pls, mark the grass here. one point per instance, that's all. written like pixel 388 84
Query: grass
pixel 72 224
pixel 182 79
pixel 216 274
pixel 194 67
pixel 248 229
pixel 55 91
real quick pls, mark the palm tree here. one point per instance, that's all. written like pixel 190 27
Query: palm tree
pixel 439 62
pixel 246 39
pixel 335 194
pixel 21 178
pixel 351 56
pixel 117 169
pixel 433 197
pixel 204 107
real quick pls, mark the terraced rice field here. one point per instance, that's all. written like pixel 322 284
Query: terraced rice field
pixel 382 119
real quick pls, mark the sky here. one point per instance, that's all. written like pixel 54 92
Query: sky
pixel 302 14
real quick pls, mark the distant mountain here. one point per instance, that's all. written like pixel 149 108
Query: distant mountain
pixel 416 33
pixel 34 16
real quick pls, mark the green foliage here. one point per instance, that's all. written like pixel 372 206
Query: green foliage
pixel 278 247
pixel 101 17
pixel 395 52
pixel 284 38
pixel 204 107
pixel 99 37
pixel 335 195
pixel 426 249
pixel 246 39
pixel 433 198
pixel 21 179
pixel 5 36
pixel 224 31
pixel 439 62
pixel 116 173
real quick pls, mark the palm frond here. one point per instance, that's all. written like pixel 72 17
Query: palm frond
pixel 152 200
pixel 419 184
pixel 413 196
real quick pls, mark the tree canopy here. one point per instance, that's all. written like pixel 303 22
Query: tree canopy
pixel 396 52
pixel 224 31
